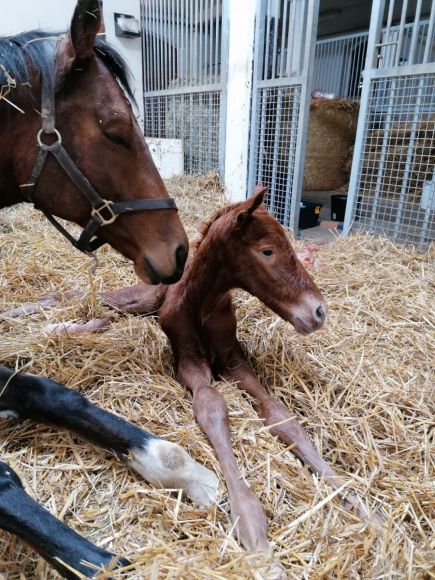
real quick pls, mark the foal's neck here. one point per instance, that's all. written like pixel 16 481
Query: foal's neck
pixel 209 277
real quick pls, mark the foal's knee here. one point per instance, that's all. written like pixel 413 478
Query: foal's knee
pixel 209 407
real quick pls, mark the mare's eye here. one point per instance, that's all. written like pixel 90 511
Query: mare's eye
pixel 267 252
pixel 117 139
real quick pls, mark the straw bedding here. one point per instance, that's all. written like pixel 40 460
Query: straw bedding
pixel 361 386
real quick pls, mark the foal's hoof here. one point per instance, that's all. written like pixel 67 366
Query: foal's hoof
pixel 272 571
pixel 168 465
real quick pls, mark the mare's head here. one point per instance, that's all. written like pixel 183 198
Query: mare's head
pixel 262 262
pixel 101 135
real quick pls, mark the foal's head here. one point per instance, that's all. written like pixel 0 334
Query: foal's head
pixel 100 133
pixel 263 262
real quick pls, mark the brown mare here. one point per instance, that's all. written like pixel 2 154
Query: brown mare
pixel 242 246
pixel 70 144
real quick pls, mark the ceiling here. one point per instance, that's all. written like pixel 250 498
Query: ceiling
pixel 342 16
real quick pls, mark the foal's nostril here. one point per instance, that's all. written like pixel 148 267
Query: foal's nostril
pixel 320 313
pixel 180 258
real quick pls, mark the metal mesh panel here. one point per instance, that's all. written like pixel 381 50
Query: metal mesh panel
pixel 195 119
pixel 276 132
pixel 338 64
pixel 184 46
pixel 396 193
pixel 339 61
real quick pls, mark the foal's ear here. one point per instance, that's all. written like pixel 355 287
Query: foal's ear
pixel 77 46
pixel 252 203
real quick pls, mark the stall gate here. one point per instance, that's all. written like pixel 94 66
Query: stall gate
pixel 339 61
pixel 184 47
pixel 284 50
pixel 392 184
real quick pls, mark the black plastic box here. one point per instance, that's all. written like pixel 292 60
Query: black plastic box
pixel 309 214
pixel 338 207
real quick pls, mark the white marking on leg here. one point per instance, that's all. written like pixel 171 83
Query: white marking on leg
pixel 168 465
pixel 8 414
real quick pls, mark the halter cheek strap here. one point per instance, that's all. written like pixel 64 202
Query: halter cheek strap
pixel 104 211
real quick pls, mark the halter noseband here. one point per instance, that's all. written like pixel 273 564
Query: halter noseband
pixel 104 211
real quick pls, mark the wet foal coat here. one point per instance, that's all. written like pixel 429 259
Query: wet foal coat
pixel 242 246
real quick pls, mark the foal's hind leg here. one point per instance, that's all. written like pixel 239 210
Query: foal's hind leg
pixel 161 463
pixel 211 413
pixel 285 426
pixel 63 548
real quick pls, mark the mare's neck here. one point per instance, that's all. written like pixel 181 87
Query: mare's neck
pixel 18 146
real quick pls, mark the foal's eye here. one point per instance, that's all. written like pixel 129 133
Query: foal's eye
pixel 267 252
pixel 117 139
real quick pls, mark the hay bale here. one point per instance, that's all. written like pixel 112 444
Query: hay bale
pixel 362 387
pixel 331 133
pixel 396 143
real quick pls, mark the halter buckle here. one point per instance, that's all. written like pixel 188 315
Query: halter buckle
pixel 96 212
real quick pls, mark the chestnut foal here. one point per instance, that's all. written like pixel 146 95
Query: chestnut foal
pixel 242 246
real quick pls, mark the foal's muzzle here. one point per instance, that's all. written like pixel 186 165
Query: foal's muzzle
pixel 309 315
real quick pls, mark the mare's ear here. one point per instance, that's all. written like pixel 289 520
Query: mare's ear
pixel 252 203
pixel 77 46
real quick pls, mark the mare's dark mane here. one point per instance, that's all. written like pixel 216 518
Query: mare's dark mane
pixel 34 50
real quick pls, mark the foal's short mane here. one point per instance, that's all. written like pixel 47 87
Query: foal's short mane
pixel 205 226
pixel 23 53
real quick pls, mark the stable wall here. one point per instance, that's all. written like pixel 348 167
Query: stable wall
pixel 55 16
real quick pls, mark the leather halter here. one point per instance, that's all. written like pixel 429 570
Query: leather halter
pixel 104 211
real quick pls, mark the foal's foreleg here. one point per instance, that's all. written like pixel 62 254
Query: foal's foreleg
pixel 211 413
pixel 161 463
pixel 63 548
pixel 285 426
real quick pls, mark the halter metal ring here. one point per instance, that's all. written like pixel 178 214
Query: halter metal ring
pixel 45 145
pixel 107 205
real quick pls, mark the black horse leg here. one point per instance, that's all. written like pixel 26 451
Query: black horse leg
pixel 63 548
pixel 161 463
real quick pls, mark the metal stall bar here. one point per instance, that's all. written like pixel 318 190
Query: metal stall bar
pixel 415 32
pixel 223 79
pixel 383 155
pixel 401 31
pixel 276 147
pixel 409 159
pixel 371 63
pixel 283 56
pixel 184 80
pixel 429 46
pixel 395 133
pixel 304 109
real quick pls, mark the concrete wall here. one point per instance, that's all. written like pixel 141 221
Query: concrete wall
pixel 240 62
pixel 129 48
pixel 55 16
pixel 21 15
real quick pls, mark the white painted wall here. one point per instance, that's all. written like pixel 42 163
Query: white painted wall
pixel 240 61
pixel 55 16
pixel 129 48
pixel 168 155
pixel 20 15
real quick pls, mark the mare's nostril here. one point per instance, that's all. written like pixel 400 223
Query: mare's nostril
pixel 320 313
pixel 180 257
